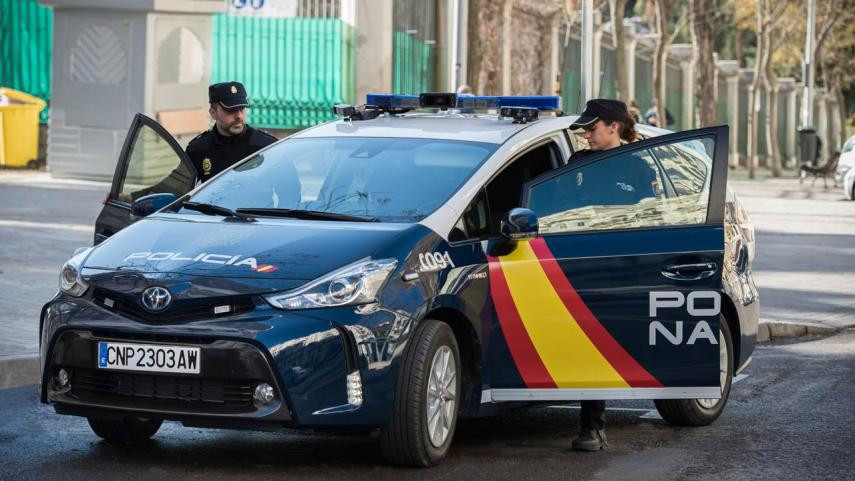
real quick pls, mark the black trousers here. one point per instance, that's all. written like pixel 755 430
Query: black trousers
pixel 593 415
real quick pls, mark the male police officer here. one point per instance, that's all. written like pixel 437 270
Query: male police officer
pixel 230 139
pixel 215 150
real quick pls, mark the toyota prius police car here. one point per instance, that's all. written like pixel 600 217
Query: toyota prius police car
pixel 420 259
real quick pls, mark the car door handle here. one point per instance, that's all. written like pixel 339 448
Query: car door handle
pixel 690 272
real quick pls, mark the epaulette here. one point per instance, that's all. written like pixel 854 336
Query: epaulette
pixel 261 137
pixel 199 138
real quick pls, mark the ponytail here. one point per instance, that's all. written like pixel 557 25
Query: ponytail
pixel 627 131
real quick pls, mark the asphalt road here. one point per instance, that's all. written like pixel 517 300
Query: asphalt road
pixel 791 418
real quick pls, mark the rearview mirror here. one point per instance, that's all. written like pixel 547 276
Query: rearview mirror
pixel 150 204
pixel 519 224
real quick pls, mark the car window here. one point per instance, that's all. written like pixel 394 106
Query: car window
pixel 848 145
pixel 686 164
pixel 504 192
pixel 154 167
pixel 388 179
pixel 623 191
pixel 475 221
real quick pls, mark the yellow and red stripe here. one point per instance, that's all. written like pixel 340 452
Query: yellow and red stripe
pixel 554 338
pixel 266 268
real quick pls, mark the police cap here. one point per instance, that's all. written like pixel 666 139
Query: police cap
pixel 228 94
pixel 601 109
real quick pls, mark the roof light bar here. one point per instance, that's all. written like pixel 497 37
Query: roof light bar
pixel 451 100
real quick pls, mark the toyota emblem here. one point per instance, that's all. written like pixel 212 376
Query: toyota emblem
pixel 156 298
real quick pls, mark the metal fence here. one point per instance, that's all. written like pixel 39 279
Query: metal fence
pixel 26 39
pixel 414 46
pixel 295 69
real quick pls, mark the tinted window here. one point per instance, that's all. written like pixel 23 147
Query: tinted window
pixel 475 221
pixel 154 167
pixel 390 179
pixel 504 192
pixel 686 164
pixel 619 192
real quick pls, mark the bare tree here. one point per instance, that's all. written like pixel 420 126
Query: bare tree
pixel 616 10
pixel 703 47
pixel 768 13
pixel 830 17
pixel 663 14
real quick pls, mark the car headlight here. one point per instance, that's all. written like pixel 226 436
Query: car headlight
pixel 70 281
pixel 356 283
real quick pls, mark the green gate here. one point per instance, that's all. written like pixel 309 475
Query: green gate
pixel 294 69
pixel 414 46
pixel 26 40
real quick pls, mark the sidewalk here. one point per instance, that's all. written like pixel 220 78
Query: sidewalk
pixel 805 265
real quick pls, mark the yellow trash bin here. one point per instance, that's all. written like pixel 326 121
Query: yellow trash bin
pixel 19 128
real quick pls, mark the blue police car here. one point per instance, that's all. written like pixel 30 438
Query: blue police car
pixel 421 259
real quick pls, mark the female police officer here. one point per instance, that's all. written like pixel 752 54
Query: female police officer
pixel 607 125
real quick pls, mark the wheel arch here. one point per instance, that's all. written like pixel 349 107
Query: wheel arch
pixel 469 344
pixel 731 315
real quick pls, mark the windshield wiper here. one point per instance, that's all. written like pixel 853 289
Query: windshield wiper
pixel 303 214
pixel 213 209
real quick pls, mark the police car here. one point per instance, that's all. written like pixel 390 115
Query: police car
pixel 421 259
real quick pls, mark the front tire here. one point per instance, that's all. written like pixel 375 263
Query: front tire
pixel 124 430
pixel 702 412
pixel 426 398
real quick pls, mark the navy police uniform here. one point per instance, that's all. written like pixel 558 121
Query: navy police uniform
pixel 633 183
pixel 212 152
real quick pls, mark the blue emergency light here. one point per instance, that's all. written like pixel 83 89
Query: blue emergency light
pixel 445 101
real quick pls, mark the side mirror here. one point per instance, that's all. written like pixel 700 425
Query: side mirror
pixel 150 204
pixel 519 224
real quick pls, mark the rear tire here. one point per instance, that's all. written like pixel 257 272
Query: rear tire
pixel 701 412
pixel 427 398
pixel 124 430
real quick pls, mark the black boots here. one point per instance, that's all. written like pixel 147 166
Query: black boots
pixel 590 440
pixel 592 417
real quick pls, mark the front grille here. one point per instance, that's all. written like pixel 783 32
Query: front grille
pixel 174 313
pixel 163 391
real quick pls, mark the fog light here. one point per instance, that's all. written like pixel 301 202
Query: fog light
pixel 63 378
pixel 354 389
pixel 264 393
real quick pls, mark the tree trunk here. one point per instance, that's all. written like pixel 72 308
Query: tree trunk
pixel 617 9
pixel 740 36
pixel 841 108
pixel 754 91
pixel 704 64
pixel 771 84
pixel 772 127
pixel 658 69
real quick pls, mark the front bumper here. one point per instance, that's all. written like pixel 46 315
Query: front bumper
pixel 223 389
pixel 305 355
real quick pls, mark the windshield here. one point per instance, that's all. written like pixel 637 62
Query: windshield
pixel 387 179
pixel 848 145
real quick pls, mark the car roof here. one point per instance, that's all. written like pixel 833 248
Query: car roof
pixel 444 126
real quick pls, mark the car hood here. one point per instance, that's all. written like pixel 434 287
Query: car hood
pixel 213 247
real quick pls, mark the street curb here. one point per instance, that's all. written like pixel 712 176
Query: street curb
pixel 16 371
pixel 775 330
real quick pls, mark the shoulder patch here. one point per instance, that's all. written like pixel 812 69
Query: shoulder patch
pixel 261 137
pixel 200 141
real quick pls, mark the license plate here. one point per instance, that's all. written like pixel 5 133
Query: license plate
pixel 149 357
